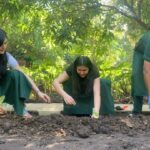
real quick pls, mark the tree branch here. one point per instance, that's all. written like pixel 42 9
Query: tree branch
pixel 139 7
pixel 130 7
pixel 133 16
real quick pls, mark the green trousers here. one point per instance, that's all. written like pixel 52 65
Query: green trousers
pixel 16 89
pixel 138 85
pixel 137 105
pixel 84 104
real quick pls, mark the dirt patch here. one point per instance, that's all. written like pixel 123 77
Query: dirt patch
pixel 68 132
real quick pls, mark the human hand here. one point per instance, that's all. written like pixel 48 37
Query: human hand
pixel 44 97
pixel 149 101
pixel 95 114
pixel 69 100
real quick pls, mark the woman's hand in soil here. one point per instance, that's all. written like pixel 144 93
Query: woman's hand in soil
pixel 44 97
pixel 69 100
pixel 95 114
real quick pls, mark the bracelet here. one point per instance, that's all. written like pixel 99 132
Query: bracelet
pixel 95 114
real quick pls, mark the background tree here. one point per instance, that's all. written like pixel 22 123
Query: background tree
pixel 46 35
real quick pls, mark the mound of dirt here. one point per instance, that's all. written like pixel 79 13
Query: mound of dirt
pixel 82 127
pixel 112 132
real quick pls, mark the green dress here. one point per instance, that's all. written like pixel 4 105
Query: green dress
pixel 85 102
pixel 16 89
pixel 141 53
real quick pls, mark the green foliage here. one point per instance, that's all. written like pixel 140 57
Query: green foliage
pixel 43 73
pixel 46 35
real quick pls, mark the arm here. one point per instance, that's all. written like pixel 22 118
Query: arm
pixel 58 86
pixel 97 99
pixel 40 94
pixel 12 62
pixel 146 72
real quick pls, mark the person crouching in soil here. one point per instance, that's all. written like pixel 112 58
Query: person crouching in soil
pixel 84 93
pixel 14 84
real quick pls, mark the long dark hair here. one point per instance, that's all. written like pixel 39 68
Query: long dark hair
pixel 83 61
pixel 3 57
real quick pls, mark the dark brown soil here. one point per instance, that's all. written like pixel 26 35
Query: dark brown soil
pixel 118 132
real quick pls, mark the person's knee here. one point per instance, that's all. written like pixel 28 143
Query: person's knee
pixel 16 74
pixel 13 72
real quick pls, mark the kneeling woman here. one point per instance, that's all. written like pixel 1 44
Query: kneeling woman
pixel 14 84
pixel 83 92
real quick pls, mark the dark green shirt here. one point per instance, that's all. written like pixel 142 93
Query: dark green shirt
pixel 143 46
pixel 84 83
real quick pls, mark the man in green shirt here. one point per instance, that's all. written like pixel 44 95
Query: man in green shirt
pixel 141 73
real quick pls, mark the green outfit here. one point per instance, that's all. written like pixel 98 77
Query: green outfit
pixel 141 54
pixel 16 89
pixel 85 101
pixel 84 104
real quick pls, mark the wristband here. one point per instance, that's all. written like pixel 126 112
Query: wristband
pixel 95 114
